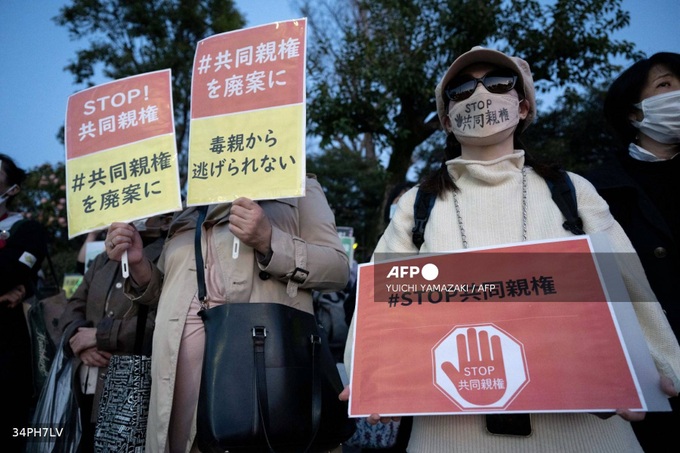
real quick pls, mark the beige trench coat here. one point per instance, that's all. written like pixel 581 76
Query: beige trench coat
pixel 304 236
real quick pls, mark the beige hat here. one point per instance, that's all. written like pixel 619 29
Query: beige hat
pixel 480 54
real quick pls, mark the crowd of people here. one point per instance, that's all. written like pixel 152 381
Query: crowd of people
pixel 488 191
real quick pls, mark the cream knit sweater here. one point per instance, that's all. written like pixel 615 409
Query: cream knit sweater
pixel 490 200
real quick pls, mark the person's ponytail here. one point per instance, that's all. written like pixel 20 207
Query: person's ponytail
pixel 439 181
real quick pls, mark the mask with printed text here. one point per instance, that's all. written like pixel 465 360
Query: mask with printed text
pixel 484 118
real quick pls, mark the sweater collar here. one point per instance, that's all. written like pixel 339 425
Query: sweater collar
pixel 488 171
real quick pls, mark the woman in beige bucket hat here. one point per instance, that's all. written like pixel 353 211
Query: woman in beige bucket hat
pixel 489 192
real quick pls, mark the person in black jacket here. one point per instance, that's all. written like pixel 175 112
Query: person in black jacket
pixel 642 186
pixel 23 246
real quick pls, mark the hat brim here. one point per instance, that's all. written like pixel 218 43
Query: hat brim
pixel 494 57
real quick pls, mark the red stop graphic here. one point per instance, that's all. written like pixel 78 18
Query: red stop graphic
pixel 479 367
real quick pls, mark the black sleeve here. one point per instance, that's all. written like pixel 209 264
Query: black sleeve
pixel 22 256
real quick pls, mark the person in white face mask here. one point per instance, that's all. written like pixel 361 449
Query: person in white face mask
pixel 23 246
pixel 100 321
pixel 640 183
pixel 490 192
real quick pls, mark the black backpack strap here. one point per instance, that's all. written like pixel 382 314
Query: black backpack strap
pixel 564 196
pixel 421 213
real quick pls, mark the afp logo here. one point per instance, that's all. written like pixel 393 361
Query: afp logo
pixel 429 271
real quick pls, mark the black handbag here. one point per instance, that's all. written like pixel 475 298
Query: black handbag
pixel 269 381
pixel 124 404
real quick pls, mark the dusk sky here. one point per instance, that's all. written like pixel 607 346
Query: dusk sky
pixel 34 87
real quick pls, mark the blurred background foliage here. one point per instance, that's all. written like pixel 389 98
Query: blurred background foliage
pixel 372 69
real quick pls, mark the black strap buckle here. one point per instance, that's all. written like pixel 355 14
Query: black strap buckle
pixel 299 275
pixel 259 334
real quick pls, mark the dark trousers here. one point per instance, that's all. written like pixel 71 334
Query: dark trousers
pixel 87 439
pixel 16 379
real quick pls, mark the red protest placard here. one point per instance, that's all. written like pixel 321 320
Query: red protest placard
pixel 523 328
pixel 119 113
pixel 121 155
pixel 247 134
pixel 249 69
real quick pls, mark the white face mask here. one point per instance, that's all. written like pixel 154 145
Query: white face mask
pixel 5 195
pixel 661 120
pixel 484 118
pixel 140 225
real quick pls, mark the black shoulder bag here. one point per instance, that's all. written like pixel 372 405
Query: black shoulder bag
pixel 269 381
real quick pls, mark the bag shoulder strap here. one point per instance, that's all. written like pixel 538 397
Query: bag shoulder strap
pixel 421 214
pixel 200 268
pixel 564 195
pixel 561 188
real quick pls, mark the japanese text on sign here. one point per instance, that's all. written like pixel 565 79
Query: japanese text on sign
pixel 248 115
pixel 229 60
pixel 121 171
pixel 240 143
pixel 121 156
pixel 122 121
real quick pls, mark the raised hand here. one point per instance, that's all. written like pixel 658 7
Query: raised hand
pixel 480 377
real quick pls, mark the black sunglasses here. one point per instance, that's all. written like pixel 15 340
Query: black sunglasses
pixel 497 81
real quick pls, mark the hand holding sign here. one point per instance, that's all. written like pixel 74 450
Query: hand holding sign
pixel 123 243
pixel 249 223
pixel 480 376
